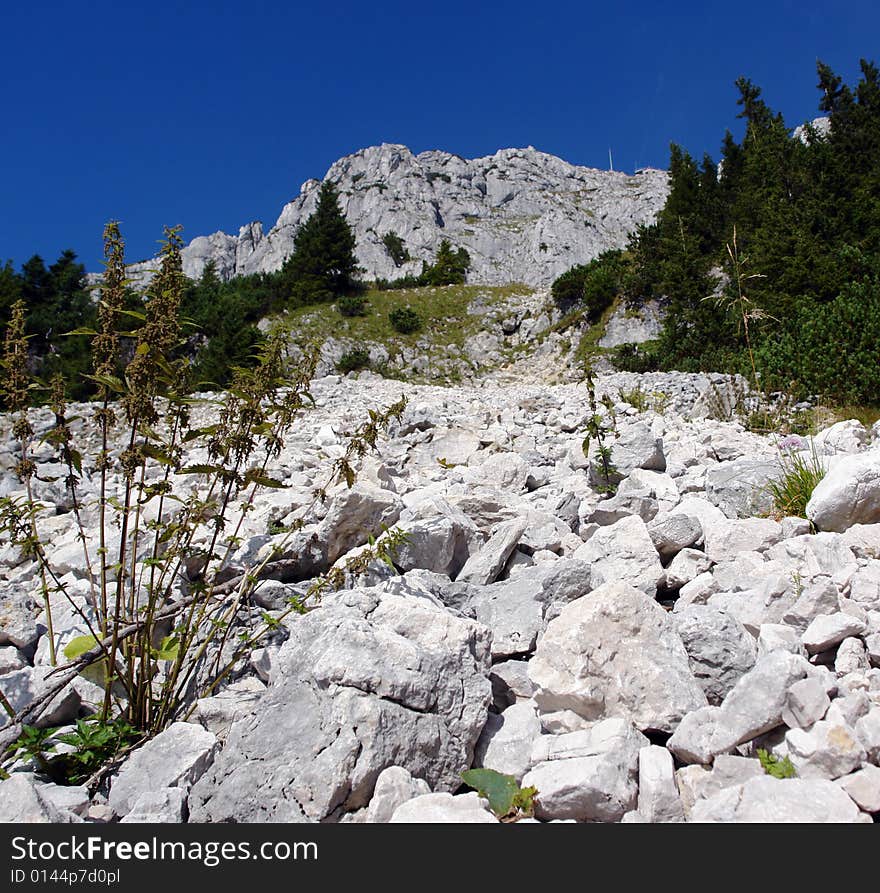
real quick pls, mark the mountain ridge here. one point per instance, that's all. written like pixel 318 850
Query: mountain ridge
pixel 522 214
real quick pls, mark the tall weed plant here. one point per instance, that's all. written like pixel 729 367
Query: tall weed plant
pixel 168 614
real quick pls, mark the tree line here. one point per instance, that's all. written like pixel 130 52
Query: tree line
pixel 219 317
pixel 767 259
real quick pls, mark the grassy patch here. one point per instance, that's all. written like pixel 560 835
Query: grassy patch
pixel 825 416
pixel 792 491
pixel 443 311
pixel 588 347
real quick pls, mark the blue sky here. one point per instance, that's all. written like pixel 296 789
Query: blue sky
pixel 211 114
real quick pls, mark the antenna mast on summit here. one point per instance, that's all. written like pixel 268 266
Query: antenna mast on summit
pixel 610 159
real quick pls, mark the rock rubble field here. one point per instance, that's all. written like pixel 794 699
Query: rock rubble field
pixel 627 656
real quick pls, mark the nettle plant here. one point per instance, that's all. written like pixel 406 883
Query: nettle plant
pixel 168 613
pixel 601 428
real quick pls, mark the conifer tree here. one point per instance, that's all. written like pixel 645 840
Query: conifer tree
pixel 322 266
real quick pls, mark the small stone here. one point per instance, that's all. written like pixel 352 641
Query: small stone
pixel 806 703
pixel 864 787
pixel 868 732
pixel 658 796
pixel 827 750
pixel 828 630
pixel 486 565
pixel 506 742
pixel 778 637
pixel 851 657
pixel 464 809
pixel 394 787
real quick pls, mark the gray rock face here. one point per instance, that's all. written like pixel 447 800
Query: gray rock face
pixel 673 533
pixel 615 653
pixel 365 682
pixel 506 742
pixel 167 806
pixel 658 796
pixel 623 552
pixel 486 565
pixel 356 513
pixel 829 630
pixel 628 327
pixel 22 801
pixel 23 686
pixel 436 544
pixel 754 706
pixel 826 750
pixel 523 215
pixel 638 447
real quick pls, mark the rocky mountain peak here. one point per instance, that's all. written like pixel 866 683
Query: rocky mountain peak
pixel 522 214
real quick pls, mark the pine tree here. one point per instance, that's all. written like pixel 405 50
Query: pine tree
pixel 323 265
pixel 10 290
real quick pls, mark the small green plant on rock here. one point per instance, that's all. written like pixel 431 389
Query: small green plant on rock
pixel 637 397
pixel 506 798
pixel 775 767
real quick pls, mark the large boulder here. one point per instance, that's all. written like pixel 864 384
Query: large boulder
pixel 356 514
pixel 436 544
pixel 739 488
pixel 615 653
pixel 589 775
pixel 848 494
pixel 719 648
pixel 175 758
pixel 486 565
pixel 367 681
pixel 674 532
pixel 774 800
pixel 623 552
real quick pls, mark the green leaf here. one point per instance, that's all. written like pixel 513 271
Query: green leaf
pixel 109 381
pixel 263 481
pixel 155 453
pixel 168 648
pixel 134 314
pixel 76 460
pixel 202 469
pixel 502 791
pixel 82 331
pixel 78 646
